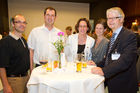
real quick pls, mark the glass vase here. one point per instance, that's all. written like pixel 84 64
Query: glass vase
pixel 59 59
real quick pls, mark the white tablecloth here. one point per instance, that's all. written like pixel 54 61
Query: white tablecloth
pixel 66 80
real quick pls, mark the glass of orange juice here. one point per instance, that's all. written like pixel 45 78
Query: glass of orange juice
pixel 55 64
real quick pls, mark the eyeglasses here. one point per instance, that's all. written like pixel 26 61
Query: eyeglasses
pixel 19 22
pixel 113 18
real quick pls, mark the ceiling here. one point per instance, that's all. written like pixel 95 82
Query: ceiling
pixel 77 1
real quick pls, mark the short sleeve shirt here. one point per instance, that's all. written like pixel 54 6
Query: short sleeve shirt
pixel 40 40
pixel 14 56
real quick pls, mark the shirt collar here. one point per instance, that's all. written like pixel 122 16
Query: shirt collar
pixel 118 31
pixel 14 36
pixel 47 28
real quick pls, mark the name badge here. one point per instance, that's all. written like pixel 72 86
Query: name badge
pixel 115 56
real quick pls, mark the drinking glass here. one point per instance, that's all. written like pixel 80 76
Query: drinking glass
pixel 49 65
pixel 43 60
pixel 84 61
pixel 78 63
pixel 55 64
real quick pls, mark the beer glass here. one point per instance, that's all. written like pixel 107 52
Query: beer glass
pixel 78 63
pixel 84 61
pixel 49 65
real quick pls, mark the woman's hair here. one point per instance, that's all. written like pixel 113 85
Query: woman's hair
pixel 103 22
pixel 88 24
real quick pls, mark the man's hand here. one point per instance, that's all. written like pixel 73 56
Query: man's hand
pixel 97 70
pixel 91 63
pixel 7 89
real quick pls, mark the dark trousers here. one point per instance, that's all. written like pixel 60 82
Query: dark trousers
pixel 36 65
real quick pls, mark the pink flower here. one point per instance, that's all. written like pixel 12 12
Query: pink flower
pixel 60 34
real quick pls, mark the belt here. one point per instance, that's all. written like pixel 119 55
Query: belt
pixel 18 75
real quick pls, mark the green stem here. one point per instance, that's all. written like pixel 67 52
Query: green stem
pixel 59 60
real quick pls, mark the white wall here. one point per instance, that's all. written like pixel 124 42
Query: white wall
pixel 67 13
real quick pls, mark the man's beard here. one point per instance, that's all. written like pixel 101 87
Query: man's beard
pixel 19 30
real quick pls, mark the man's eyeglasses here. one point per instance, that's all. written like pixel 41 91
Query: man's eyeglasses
pixel 113 18
pixel 19 22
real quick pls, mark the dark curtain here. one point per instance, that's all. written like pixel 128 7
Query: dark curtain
pixel 4 25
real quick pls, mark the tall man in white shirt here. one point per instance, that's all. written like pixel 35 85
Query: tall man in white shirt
pixel 41 38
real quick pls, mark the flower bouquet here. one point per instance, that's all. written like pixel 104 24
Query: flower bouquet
pixel 59 45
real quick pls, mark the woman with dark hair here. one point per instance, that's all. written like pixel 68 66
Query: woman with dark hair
pixel 101 42
pixel 80 42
